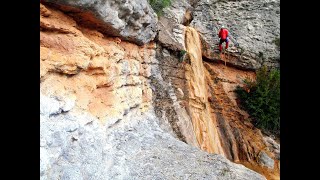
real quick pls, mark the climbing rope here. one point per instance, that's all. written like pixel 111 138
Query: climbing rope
pixel 223 56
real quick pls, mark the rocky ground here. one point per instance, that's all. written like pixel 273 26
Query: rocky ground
pixel 74 145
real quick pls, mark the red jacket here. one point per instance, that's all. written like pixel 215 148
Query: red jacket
pixel 223 34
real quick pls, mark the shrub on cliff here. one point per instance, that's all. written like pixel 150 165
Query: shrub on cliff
pixel 158 5
pixel 261 99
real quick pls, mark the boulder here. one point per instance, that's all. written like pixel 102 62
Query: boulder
pixel 131 20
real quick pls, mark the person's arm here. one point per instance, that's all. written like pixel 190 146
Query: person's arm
pixel 219 34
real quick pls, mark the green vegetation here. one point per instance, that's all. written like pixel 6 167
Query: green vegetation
pixel 182 54
pixel 261 99
pixel 159 5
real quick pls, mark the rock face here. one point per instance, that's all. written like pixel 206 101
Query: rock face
pixel 97 119
pixel 265 160
pixel 131 20
pixel 102 76
pixel 75 145
pixel 255 25
pixel 204 127
pixel 218 122
pixel 241 141
pixel 171 28
pixel 273 147
pixel 205 91
pixel 170 91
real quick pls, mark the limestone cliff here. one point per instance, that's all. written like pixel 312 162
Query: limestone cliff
pixel 134 21
pixel 119 102
pixel 92 71
pixel 219 125
pixel 205 85
pixel 254 25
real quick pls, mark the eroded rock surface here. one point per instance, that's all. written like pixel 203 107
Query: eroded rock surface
pixel 255 25
pixel 97 118
pixel 172 25
pixel 131 20
pixel 74 145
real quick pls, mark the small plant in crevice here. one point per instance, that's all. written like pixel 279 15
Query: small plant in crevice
pixel 159 5
pixel 261 99
pixel 182 54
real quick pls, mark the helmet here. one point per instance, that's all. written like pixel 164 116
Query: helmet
pixel 223 27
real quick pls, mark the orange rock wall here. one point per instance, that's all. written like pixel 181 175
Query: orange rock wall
pixel 105 76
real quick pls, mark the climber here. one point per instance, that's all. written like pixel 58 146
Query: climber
pixel 223 35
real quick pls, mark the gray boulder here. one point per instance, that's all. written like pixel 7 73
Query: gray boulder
pixel 265 160
pixel 131 20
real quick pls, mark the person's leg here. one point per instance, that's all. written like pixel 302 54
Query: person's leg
pixel 227 43
pixel 220 45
